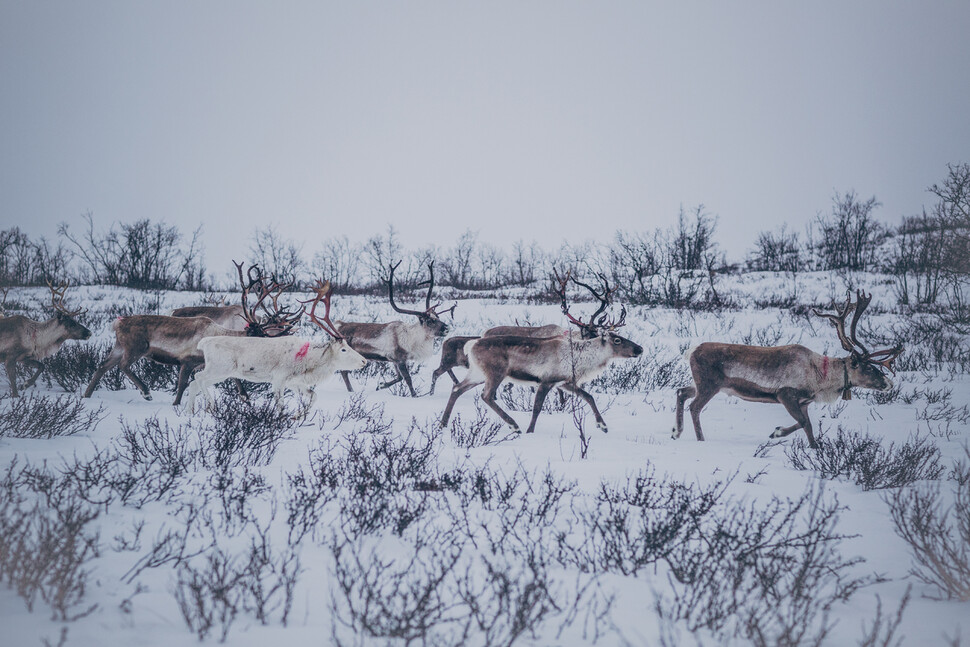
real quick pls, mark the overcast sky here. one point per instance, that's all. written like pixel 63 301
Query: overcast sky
pixel 534 120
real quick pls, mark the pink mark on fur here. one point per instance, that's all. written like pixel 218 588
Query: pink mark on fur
pixel 825 367
pixel 304 349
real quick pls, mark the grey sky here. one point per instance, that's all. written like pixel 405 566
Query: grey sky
pixel 545 120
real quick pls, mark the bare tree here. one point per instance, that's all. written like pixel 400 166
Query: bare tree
pixel 851 235
pixel 340 260
pixel 281 258
pixel 141 254
pixel 777 252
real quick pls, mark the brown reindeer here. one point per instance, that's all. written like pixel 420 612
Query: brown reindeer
pixel 567 360
pixel 453 348
pixel 27 341
pixel 175 340
pixel 793 376
pixel 398 342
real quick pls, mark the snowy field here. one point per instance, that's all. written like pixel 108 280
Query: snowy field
pixel 366 524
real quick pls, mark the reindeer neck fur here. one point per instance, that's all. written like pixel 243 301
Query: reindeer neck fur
pixel 416 340
pixel 585 359
pixel 43 338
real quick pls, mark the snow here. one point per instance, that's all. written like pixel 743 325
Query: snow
pixel 143 610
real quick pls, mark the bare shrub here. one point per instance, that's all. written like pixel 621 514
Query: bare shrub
pixel 245 433
pixel 41 416
pixel 209 596
pixel 74 365
pixel 883 629
pixel 938 535
pixel 865 461
pixel 481 431
pixel 45 550
pixel 767 574
pixel 638 524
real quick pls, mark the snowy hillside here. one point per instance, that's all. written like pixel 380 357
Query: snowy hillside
pixel 364 523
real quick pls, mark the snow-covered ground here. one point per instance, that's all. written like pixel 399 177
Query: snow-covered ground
pixel 418 533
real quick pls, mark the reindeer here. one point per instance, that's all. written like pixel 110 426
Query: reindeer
pixel 396 341
pixel 453 348
pixel 285 362
pixel 28 341
pixel 793 376
pixel 232 317
pixel 174 340
pixel 567 360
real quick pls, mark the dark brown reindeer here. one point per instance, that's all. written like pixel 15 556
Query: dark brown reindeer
pixel 793 376
pixel 567 360
pixel 27 341
pixel 398 342
pixel 453 348
pixel 174 340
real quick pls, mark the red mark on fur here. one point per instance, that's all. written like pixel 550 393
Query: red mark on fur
pixel 825 366
pixel 304 349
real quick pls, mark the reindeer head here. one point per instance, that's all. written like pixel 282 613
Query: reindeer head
pixel 600 325
pixel 348 358
pixel 863 368
pixel 275 320
pixel 430 318
pixel 65 317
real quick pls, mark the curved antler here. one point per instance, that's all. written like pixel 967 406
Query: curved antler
pixel 323 290
pixel 430 282
pixel 277 321
pixel 390 292
pixel 57 300
pixel 862 302
pixel 850 342
pixel 838 320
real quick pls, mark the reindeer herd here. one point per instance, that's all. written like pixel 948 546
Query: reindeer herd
pixel 253 341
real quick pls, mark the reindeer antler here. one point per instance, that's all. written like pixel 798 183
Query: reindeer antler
pixel 323 291
pixel 278 321
pixel 850 342
pixel 57 300
pixel 838 320
pixel 598 320
pixel 428 308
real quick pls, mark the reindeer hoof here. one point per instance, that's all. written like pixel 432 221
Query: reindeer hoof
pixel 602 427
pixel 777 433
pixel 147 396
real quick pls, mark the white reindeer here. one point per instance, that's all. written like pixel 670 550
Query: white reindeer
pixel 284 362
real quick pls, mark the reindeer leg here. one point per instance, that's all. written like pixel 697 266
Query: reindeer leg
pixel 683 395
pixel 589 400
pixel 185 372
pixel 799 411
pixel 456 392
pixel 125 367
pixel 33 378
pixel 346 376
pixel 11 365
pixel 400 376
pixel 541 392
pixel 488 395
pixel 114 357
pixel 702 396
pixel 240 389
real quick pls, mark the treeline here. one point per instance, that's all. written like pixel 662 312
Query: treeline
pixel 677 265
